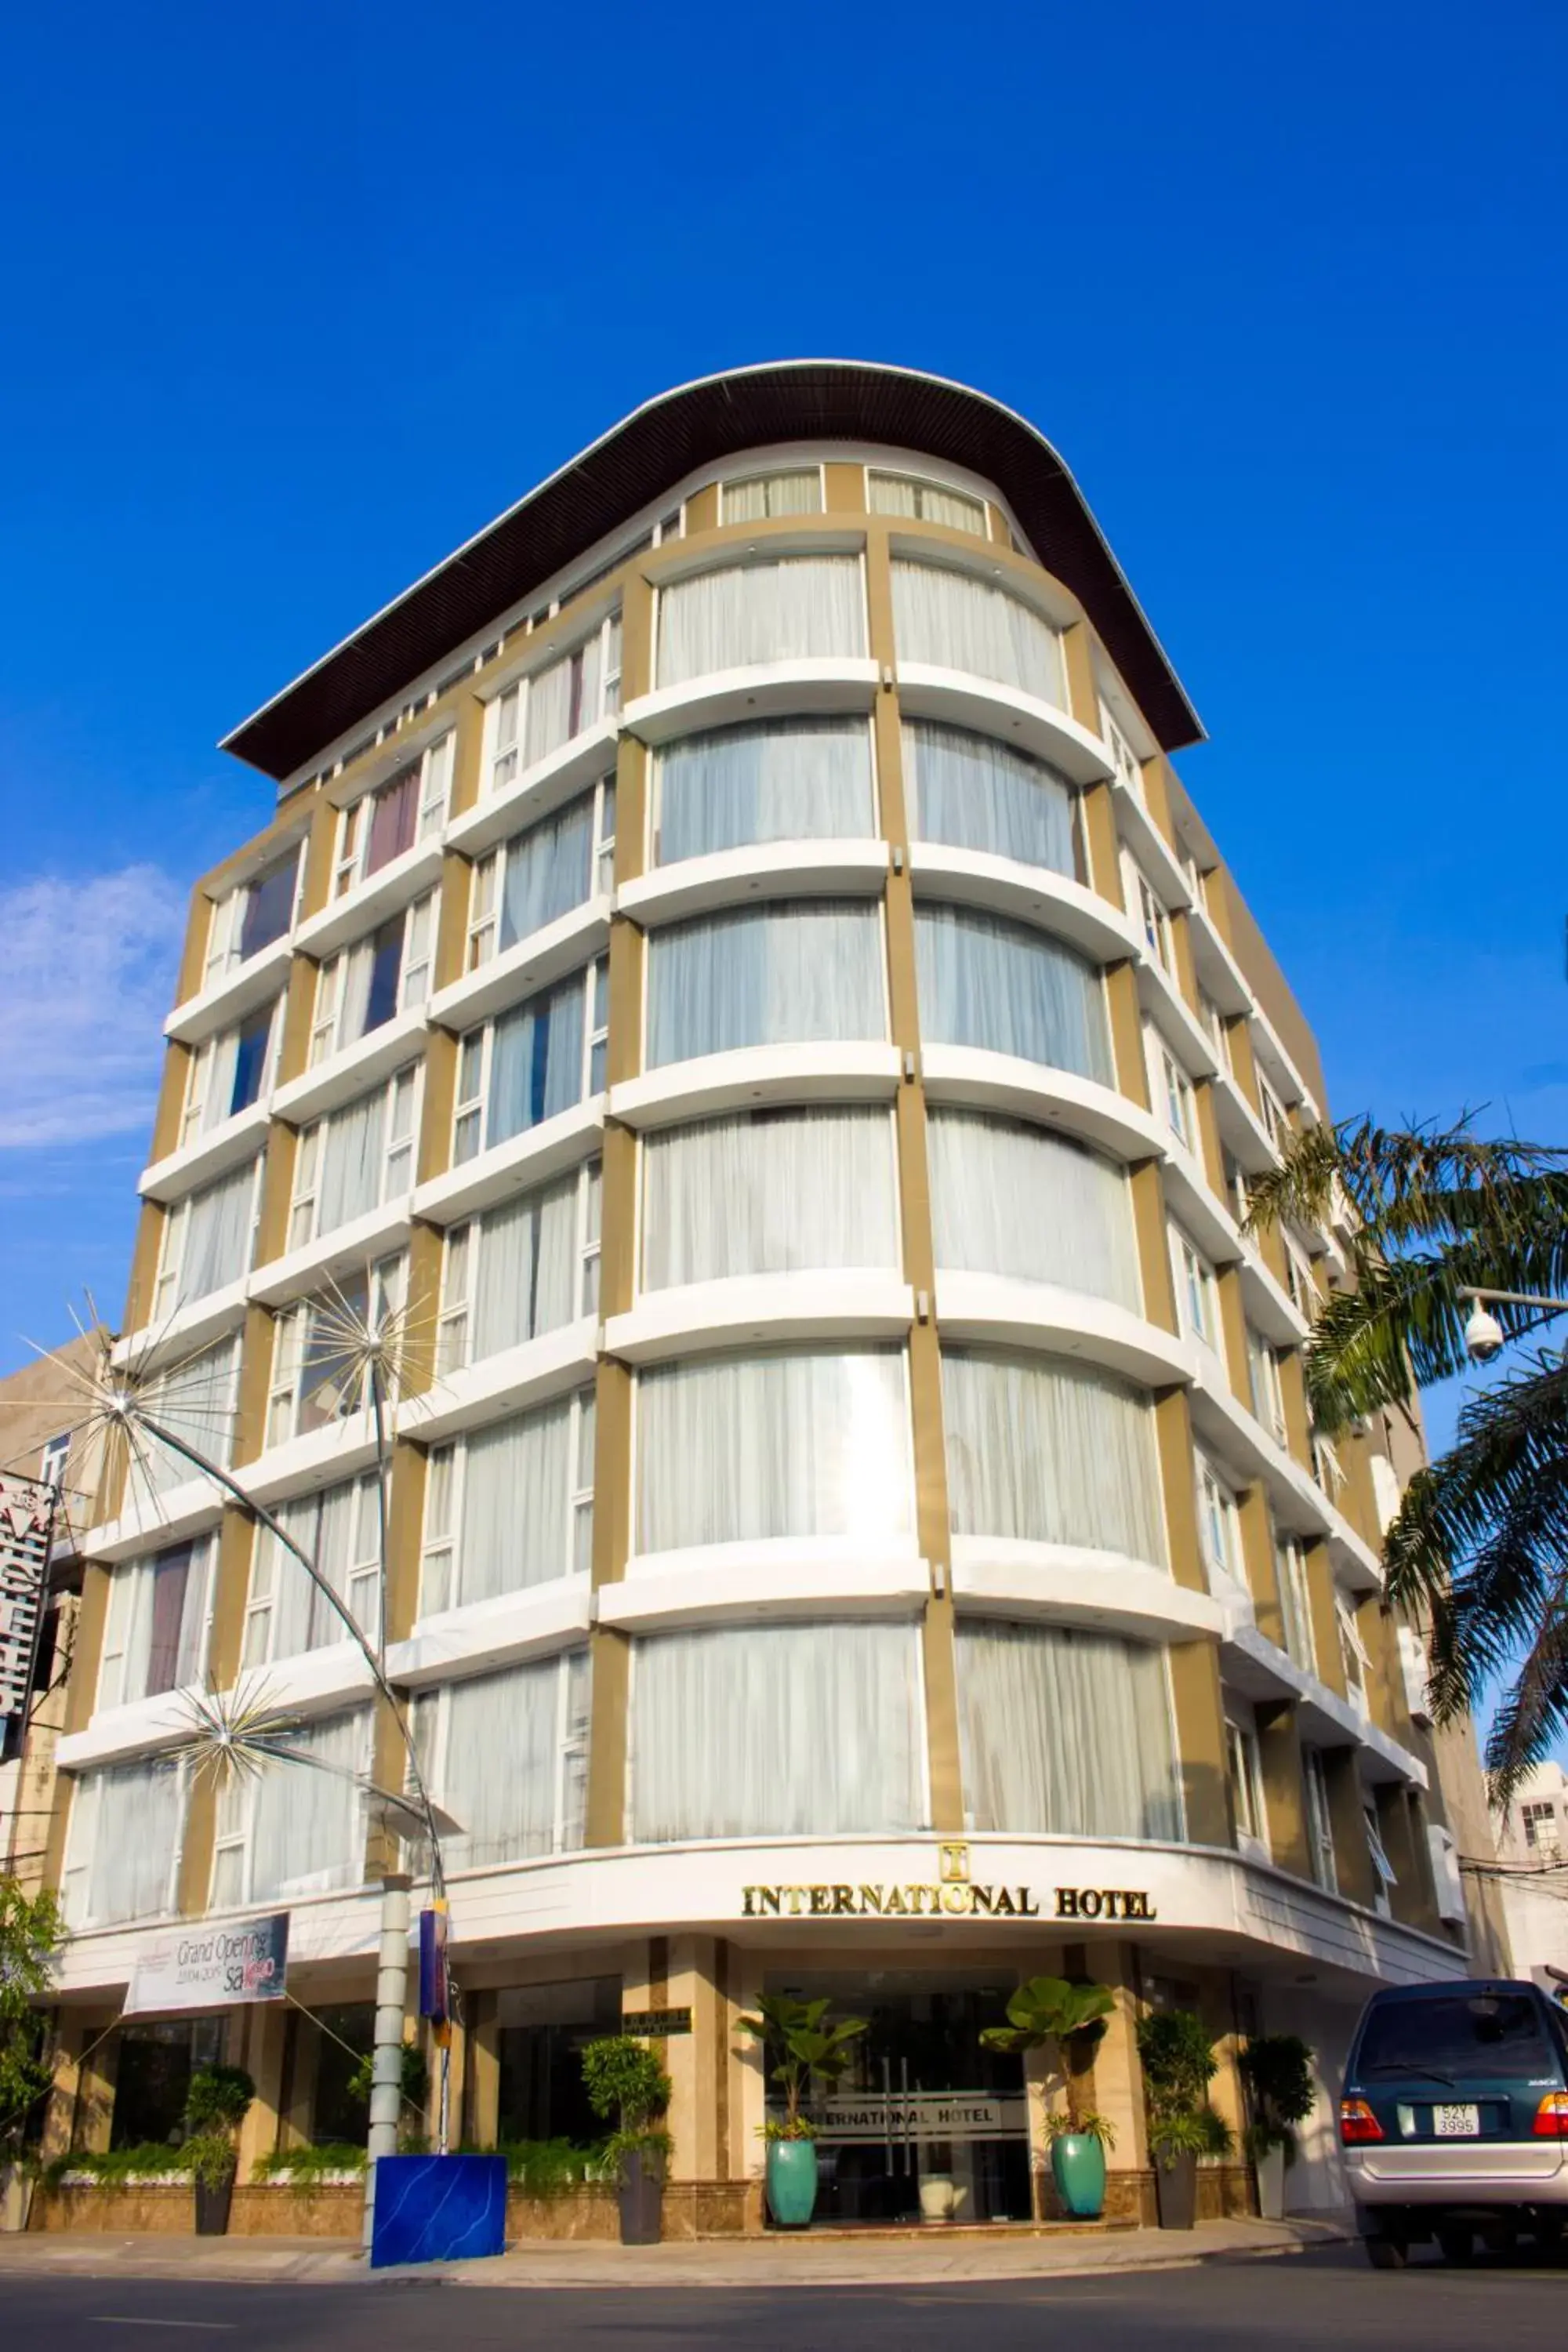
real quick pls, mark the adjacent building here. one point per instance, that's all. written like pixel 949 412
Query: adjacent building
pixel 1532 1849
pixel 732 965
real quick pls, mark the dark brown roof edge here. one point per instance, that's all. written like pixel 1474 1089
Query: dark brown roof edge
pixel 658 447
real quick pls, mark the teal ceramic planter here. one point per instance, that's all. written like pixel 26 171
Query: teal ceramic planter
pixel 1077 2168
pixel 792 2181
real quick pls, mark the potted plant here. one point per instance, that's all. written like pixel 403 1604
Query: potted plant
pixel 624 2079
pixel 808 2049
pixel 1050 2013
pixel 1179 2064
pixel 1276 2069
pixel 215 2105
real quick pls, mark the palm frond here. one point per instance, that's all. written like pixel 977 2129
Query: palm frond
pixel 1415 1183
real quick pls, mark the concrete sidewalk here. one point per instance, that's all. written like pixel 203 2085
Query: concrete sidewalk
pixel 749 2263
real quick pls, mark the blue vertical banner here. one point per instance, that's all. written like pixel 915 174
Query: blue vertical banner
pixel 435 1999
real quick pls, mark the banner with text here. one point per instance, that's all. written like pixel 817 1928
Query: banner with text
pixel 211 1966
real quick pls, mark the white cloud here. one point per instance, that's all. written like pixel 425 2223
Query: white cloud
pixel 87 974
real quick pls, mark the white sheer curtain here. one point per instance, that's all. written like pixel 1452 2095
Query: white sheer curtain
pixel 972 794
pixel 222 1063
pixel 954 621
pixel 218 1234
pixel 307 1831
pixel 565 699
pixel 124 1837
pixel 324 1526
pixel 768 1192
pixel 506 1774
pixel 776 1731
pixel 1066 1734
pixel 196 1402
pixel 353 1156
pixel 536 1061
pixel 803 606
pixel 780 779
pixel 528 1257
pixel 806 969
pixel 1012 1198
pixel 794 1443
pixel 1050 1452
pixel 547 871
pixel 515 1504
pixel 1011 990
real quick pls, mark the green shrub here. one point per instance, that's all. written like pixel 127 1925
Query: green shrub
pixel 306 2168
pixel 549 2167
pixel 624 2079
pixel 1276 2069
pixel 112 2168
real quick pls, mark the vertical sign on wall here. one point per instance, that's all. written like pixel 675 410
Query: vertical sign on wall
pixel 27 1521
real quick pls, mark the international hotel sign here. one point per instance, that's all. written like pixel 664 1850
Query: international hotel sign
pixel 953 1896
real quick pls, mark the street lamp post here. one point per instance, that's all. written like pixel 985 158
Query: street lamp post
pixel 1484 1335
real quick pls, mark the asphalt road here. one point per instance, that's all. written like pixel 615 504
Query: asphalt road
pixel 1330 2299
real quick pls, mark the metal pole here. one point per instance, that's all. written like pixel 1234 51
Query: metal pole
pixel 391 2002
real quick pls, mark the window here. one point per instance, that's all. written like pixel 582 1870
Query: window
pixel 1542 1828
pixel 797 1441
pixel 779 779
pixel 767 976
pixel 531 1063
pixel 1295 1602
pixel 250 918
pixel 507 1755
pixel 53 1458
pixel 207 1240
pixel 510 1506
pixel 1009 989
pixel 1124 760
pixel 1065 1734
pixel 366 985
pixel 1196 1291
pixel 1384 1877
pixel 338 1528
pixel 1355 1659
pixel 767 496
pixel 799 1187
pixel 123 1847
pixel 194 1401
pixel 1174 1094
pixel 521 1270
pixel 380 824
pixel 728 1727
pixel 156 1628
pixel 1153 919
pixel 1319 1827
pixel 902 494
pixel 230 1072
pixel 1327 1468
pixel 542 874
pixel 319 1374
pixel 348 1163
pixel 974 793
pixel 1245 1774
pixel 1219 1530
pixel 1050 1452
pixel 1237 1193
pixel 1263 1380
pixel 1271 1112
pixel 1298 1280
pixel 804 607
pixel 1216 1027
pixel 295 1831
pixel 1011 1199
pixel 541 713
pixel 953 621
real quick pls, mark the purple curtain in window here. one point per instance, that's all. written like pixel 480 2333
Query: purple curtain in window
pixel 392 820
pixel 171 1571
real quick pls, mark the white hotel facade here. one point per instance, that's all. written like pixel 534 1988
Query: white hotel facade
pixel 731 954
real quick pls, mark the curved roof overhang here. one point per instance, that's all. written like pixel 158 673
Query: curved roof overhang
pixel 658 446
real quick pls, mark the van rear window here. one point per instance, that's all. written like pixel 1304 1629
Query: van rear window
pixel 1498 2034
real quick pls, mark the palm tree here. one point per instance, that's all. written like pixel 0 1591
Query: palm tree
pixel 1479 1549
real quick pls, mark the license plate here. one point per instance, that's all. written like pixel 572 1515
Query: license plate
pixel 1455 2123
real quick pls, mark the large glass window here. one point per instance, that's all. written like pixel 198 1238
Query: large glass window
pixel 954 621
pixel 1066 1734
pixel 156 1628
pixel 124 1845
pixel 802 607
pixel 368 984
pixel 207 1240
pixel 906 494
pixel 1000 985
pixel 510 1506
pixel 974 793
pixel 520 1270
pixel 773 1192
pixel 542 874
pixel 806 969
pixel 777 779
pixel 537 1060
pixel 1011 1199
pixel 250 918
pixel 380 824
pixel 339 1530
pixel 795 490
pixel 796 1443
pixel 231 1071
pixel 507 1755
pixel 298 1827
pixel 1050 1452
pixel 194 1401
pixel 319 1371
pixel 350 1162
pixel 559 703
pixel 730 1728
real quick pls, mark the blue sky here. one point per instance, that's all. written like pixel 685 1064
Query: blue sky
pixel 298 298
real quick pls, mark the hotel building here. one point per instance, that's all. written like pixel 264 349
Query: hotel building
pixel 732 957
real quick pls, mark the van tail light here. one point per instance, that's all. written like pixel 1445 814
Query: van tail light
pixel 1357 2121
pixel 1551 2116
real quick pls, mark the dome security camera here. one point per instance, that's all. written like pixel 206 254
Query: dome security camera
pixel 1483 1335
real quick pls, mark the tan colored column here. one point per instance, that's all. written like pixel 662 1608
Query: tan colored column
pixel 484 2064
pixel 264 2029
pixel 1233 1321
pixel 1131 1062
pixel 255 1382
pixel 468 715
pixel 845 488
pixel 1279 1760
pixel 150 1223
pixel 231 1590
pixel 321 855
pixel 1352 1858
pixel 1200 1738
pixel 692 2060
pixel 1325 1619
pixel 298 1012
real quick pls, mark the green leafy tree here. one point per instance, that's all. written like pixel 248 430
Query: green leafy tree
pixel 216 2104
pixel 1179 2064
pixel 1479 1549
pixel 624 2079
pixel 1276 2069
pixel 806 2051
pixel 1069 2020
pixel 30 1935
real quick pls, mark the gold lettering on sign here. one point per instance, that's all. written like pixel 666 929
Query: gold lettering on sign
pixel 953 1862
pixel 953 1898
